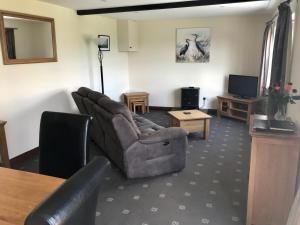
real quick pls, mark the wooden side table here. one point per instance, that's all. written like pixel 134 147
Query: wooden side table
pixel 138 104
pixel 3 146
pixel 138 97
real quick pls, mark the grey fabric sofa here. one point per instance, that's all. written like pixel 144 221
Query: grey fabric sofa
pixel 139 147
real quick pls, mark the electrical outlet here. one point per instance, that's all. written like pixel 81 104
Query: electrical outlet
pixel 204 98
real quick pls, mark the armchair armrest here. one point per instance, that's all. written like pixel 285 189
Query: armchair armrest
pixel 163 135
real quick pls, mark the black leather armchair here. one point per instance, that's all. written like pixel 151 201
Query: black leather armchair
pixel 73 203
pixel 64 143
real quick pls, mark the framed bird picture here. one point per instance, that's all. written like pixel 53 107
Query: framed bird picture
pixel 193 45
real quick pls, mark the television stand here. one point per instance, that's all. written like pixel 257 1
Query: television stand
pixel 241 97
pixel 238 108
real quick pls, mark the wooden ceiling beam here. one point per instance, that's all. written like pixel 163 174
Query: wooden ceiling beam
pixel 170 5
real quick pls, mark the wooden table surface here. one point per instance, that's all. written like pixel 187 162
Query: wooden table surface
pixel 21 192
pixel 194 114
pixel 136 93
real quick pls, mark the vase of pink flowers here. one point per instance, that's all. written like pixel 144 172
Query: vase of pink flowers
pixel 278 100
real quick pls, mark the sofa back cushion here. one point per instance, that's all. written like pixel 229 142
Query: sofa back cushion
pixel 113 128
pixel 97 131
pixel 79 102
pixel 84 91
pixel 116 139
pixel 78 97
pixel 118 108
pixel 95 96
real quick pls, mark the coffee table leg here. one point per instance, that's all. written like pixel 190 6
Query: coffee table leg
pixel 206 128
pixel 171 121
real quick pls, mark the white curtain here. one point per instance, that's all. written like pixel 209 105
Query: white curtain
pixel 267 55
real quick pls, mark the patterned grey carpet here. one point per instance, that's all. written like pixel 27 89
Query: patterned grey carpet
pixel 212 189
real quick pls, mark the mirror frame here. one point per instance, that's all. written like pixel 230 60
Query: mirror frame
pixel 6 59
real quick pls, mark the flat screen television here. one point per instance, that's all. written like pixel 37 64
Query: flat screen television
pixel 243 86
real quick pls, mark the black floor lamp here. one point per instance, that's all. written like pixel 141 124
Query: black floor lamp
pixel 100 58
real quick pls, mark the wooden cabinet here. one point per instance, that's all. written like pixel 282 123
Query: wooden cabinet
pixel 273 176
pixel 4 159
pixel 128 36
pixel 236 108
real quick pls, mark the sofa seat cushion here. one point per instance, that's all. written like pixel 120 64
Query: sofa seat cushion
pixel 141 121
pixel 148 129
pixel 146 126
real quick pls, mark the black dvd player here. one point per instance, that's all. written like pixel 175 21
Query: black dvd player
pixel 274 125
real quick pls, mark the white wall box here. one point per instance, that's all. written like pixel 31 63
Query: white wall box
pixel 128 36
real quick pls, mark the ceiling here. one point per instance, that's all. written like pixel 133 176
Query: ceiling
pixel 244 8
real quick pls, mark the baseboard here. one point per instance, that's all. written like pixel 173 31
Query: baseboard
pixel 23 157
pixel 163 108
pixel 212 112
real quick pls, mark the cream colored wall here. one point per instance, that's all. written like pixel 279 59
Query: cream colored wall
pixel 115 63
pixel 235 48
pixel 294 110
pixel 28 90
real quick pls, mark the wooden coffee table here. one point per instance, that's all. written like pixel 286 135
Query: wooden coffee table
pixel 191 120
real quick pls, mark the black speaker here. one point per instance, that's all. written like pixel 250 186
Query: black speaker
pixel 190 98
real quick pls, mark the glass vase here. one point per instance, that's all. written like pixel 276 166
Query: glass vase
pixel 281 113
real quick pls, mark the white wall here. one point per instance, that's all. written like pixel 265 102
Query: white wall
pixel 28 90
pixel 115 63
pixel 235 48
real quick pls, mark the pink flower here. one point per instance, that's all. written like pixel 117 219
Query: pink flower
pixel 288 87
pixel 277 87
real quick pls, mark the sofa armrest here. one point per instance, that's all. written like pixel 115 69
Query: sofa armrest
pixel 162 135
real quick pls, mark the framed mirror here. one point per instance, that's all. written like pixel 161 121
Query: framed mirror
pixel 27 38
